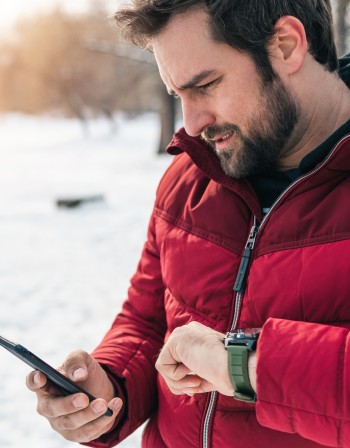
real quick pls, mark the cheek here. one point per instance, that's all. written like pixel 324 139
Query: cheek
pixel 237 109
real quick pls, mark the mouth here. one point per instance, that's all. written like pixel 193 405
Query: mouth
pixel 222 138
pixel 221 141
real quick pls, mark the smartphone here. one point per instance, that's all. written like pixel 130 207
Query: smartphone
pixel 63 383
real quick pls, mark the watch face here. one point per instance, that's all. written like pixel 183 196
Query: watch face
pixel 246 333
pixel 247 337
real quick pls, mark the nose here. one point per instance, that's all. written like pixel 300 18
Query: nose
pixel 196 117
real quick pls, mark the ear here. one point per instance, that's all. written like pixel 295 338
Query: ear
pixel 289 44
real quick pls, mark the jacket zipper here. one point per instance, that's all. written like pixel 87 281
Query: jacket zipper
pixel 207 419
pixel 241 278
pixel 238 288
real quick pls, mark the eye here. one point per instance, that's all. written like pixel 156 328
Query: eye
pixel 205 87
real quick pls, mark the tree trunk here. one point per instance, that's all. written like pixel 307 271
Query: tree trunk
pixel 167 119
pixel 342 28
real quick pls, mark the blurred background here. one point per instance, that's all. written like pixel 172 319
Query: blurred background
pixel 84 122
pixel 68 58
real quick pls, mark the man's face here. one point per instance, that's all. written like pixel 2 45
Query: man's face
pixel 246 122
pixel 268 131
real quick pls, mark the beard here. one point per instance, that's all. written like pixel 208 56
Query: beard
pixel 269 130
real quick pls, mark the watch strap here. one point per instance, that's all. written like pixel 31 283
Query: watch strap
pixel 238 370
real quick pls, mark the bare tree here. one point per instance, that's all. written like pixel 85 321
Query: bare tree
pixel 342 9
pixel 48 68
pixel 167 118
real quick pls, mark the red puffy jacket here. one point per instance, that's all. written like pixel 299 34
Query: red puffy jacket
pixel 297 289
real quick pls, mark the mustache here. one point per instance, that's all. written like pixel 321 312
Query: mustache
pixel 212 131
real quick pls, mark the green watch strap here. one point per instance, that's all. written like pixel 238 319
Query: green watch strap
pixel 238 370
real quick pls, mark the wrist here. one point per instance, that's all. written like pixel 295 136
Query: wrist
pixel 240 345
pixel 252 362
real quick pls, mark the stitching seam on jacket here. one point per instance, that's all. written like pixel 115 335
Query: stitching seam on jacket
pixel 213 238
pixel 194 311
pixel 303 410
pixel 138 350
pixel 314 241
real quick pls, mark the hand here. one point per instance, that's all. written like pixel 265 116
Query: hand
pixel 73 416
pixel 194 360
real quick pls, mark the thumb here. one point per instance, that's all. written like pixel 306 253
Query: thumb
pixel 77 365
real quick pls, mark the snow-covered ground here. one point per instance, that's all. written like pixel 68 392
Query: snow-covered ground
pixel 64 273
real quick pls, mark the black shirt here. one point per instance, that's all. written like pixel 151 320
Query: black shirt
pixel 271 183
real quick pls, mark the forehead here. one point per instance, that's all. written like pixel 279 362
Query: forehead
pixel 186 26
pixel 186 47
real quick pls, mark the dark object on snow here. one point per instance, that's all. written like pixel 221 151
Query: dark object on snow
pixel 77 202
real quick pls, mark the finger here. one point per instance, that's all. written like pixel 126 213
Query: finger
pixel 51 406
pixel 167 365
pixel 176 372
pixel 89 432
pixel 204 387
pixel 88 424
pixel 76 366
pixel 35 380
pixel 179 386
pixel 95 410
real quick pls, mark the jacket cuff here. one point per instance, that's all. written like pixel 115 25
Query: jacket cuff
pixel 300 368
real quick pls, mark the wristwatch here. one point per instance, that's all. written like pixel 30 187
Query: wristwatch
pixel 238 345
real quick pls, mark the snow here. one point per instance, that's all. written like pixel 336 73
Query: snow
pixel 64 273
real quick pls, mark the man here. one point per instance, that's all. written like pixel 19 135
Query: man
pixel 250 228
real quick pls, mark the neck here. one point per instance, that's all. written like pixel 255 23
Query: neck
pixel 321 116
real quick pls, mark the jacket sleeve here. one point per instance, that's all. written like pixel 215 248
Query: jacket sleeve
pixel 303 380
pixel 129 350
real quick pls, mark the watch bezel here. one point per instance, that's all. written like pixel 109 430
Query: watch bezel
pixel 247 337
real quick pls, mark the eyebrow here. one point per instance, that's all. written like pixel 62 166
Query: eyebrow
pixel 194 81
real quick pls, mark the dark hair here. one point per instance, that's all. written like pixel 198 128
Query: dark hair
pixel 246 25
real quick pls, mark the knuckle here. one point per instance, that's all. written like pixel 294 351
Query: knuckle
pixel 158 364
pixel 75 360
pixel 77 355
pixel 90 432
pixel 64 423
pixel 77 436
pixel 175 391
pixel 173 386
pixel 194 325
pixel 84 433
pixel 41 408
pixel 70 436
pixel 178 330
pixel 45 407
pixel 177 376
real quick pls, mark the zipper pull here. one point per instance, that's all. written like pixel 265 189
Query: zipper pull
pixel 240 282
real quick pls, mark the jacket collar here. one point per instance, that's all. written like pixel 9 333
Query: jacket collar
pixel 339 159
pixel 203 156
